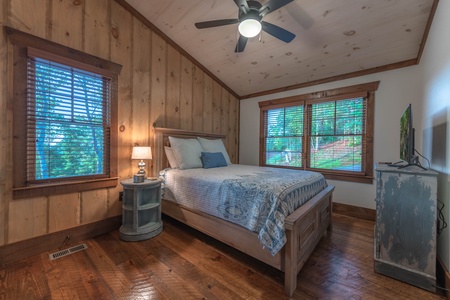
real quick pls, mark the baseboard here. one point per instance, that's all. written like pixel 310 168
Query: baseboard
pixel 443 276
pixel 15 251
pixel 354 211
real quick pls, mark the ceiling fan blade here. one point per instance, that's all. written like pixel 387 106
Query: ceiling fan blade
pixel 243 6
pixel 272 5
pixel 277 32
pixel 240 46
pixel 215 23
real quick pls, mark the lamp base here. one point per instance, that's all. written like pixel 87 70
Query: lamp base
pixel 141 166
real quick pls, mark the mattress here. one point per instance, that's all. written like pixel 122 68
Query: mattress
pixel 257 198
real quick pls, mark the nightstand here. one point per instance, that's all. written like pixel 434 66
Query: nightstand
pixel 141 218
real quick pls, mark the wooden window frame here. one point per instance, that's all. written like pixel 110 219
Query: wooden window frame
pixel 21 43
pixel 366 91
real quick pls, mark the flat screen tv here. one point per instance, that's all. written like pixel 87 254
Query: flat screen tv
pixel 407 137
pixel 407 150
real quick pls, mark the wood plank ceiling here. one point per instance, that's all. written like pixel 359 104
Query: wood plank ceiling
pixel 334 40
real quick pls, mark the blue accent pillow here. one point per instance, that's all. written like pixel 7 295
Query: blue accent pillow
pixel 213 160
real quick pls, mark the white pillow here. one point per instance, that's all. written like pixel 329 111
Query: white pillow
pixel 171 157
pixel 187 152
pixel 214 146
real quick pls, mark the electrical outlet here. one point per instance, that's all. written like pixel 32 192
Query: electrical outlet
pixel 120 196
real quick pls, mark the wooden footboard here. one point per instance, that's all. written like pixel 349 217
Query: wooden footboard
pixel 231 234
pixel 304 227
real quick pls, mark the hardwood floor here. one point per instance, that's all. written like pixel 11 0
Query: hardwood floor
pixel 182 263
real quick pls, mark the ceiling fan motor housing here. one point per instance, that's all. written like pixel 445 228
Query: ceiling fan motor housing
pixel 253 13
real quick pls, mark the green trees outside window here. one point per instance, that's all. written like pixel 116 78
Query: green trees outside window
pixel 65 114
pixel 337 129
pixel 284 139
pixel 329 131
pixel 334 139
pixel 69 115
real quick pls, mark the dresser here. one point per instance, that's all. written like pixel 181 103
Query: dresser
pixel 405 228
pixel 141 216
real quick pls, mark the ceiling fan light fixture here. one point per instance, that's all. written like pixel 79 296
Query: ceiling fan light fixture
pixel 250 28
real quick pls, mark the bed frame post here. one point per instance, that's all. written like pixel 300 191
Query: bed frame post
pixel 290 264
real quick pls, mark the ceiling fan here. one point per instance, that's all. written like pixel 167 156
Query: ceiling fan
pixel 250 21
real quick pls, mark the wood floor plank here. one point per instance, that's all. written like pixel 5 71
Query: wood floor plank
pixel 212 258
pixel 143 283
pixel 191 274
pixel 232 276
pixel 163 278
pixel 182 263
pixel 57 279
pixel 23 281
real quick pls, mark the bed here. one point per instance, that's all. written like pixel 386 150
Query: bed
pixel 303 228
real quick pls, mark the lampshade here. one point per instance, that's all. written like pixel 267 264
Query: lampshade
pixel 141 153
pixel 250 28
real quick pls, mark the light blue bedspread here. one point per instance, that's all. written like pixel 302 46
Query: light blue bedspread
pixel 257 198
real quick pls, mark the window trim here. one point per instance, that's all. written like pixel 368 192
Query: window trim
pixel 21 43
pixel 366 90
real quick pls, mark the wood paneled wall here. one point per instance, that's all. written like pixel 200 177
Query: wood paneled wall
pixel 157 84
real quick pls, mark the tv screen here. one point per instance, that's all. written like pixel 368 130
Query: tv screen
pixel 406 136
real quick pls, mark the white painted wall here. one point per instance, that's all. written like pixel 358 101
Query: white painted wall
pixel 426 87
pixel 435 90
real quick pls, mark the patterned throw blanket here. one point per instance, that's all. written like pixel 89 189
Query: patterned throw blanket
pixel 257 198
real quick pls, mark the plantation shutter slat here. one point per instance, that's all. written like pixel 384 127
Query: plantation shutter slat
pixel 68 120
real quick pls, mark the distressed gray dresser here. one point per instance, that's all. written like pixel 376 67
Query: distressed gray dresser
pixel 405 228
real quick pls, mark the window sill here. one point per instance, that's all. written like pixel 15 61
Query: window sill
pixel 345 176
pixel 359 178
pixel 350 178
pixel 63 188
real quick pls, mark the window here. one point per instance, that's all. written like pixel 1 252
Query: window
pixel 65 110
pixel 330 132
pixel 335 140
pixel 284 136
pixel 68 117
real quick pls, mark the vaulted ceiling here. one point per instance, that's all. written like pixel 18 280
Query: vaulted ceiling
pixel 335 39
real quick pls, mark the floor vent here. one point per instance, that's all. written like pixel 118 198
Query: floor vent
pixel 68 251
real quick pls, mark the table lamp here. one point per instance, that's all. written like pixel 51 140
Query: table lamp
pixel 141 153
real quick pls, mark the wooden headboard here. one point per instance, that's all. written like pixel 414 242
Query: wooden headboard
pixel 161 139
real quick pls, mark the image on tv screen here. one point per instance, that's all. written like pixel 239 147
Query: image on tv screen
pixel 405 135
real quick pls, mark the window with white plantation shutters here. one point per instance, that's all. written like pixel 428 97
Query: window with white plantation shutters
pixel 68 121
pixel 330 132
